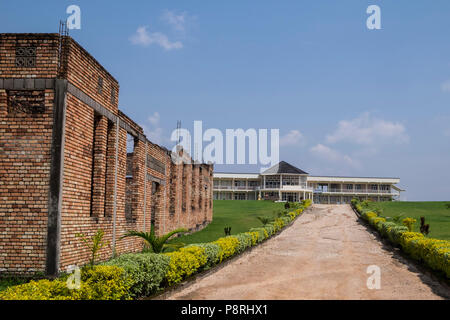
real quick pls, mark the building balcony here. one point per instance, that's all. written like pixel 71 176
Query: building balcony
pixel 236 188
pixel 354 191
pixel 290 188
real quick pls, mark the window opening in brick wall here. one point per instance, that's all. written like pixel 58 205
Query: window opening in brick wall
pixel 100 85
pixel 155 200
pixel 113 96
pixel 25 57
pixel 184 189
pixel 130 183
pixel 109 176
pixel 95 142
pixel 26 102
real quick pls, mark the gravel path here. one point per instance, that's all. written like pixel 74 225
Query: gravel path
pixel 323 255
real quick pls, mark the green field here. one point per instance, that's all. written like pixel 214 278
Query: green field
pixel 436 214
pixel 239 215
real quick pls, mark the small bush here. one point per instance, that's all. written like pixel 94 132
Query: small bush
pixel 97 283
pixel 146 271
pixel 262 234
pixel 37 290
pixel 409 223
pixel 228 246
pixel 245 241
pixel 184 263
pixel 270 229
pixel 103 283
pixel 212 253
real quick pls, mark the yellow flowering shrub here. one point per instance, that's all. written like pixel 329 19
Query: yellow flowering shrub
pixel 103 283
pixel 97 283
pixel 409 223
pixel 37 290
pixel 255 236
pixel 406 238
pixel 227 246
pixel 292 215
pixel 434 252
pixel 184 263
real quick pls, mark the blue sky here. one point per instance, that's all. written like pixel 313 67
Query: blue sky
pixel 347 100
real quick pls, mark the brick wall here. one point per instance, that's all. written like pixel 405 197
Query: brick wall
pixel 94 196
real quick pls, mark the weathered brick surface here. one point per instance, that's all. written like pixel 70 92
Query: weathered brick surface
pixel 24 173
pixel 170 195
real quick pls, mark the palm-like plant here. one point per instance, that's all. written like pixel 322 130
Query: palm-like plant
pixel 264 220
pixel 156 244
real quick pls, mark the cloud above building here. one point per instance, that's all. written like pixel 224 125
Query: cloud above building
pixel 334 156
pixel 145 38
pixel 366 130
pixel 292 138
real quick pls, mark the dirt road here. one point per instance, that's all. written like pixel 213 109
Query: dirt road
pixel 323 255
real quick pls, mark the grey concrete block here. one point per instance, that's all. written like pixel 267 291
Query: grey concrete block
pixel 39 84
pixel 9 83
pixel 19 84
pixel 49 83
pixel 29 84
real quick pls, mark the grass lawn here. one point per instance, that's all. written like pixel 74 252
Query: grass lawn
pixel 436 214
pixel 239 215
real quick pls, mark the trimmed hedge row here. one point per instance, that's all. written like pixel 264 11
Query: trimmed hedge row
pixel 142 274
pixel 433 252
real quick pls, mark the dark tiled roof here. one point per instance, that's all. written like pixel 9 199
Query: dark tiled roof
pixel 284 167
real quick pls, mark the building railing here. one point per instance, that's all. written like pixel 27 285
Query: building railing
pixel 244 188
pixel 355 191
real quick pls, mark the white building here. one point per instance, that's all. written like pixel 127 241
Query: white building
pixel 284 182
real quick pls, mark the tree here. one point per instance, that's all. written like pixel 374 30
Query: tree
pixel 156 244
pixel 94 244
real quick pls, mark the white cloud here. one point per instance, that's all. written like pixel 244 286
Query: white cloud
pixel 366 131
pixel 292 138
pixel 154 132
pixel 176 21
pixel 445 86
pixel 145 38
pixel 326 153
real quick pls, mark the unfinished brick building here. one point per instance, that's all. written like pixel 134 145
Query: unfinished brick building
pixel 64 166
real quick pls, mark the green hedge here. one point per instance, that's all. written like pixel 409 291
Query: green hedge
pixel 97 283
pixel 433 252
pixel 146 271
pixel 141 274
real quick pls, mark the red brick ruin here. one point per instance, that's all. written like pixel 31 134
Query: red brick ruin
pixel 64 166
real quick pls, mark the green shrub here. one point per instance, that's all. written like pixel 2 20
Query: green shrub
pixel 262 234
pixel 103 283
pixel 269 229
pixel 394 233
pixel 228 246
pixel 409 223
pixel 37 290
pixel 245 241
pixel 146 270
pixel 212 253
pixel 94 244
pixel 97 283
pixel 184 263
